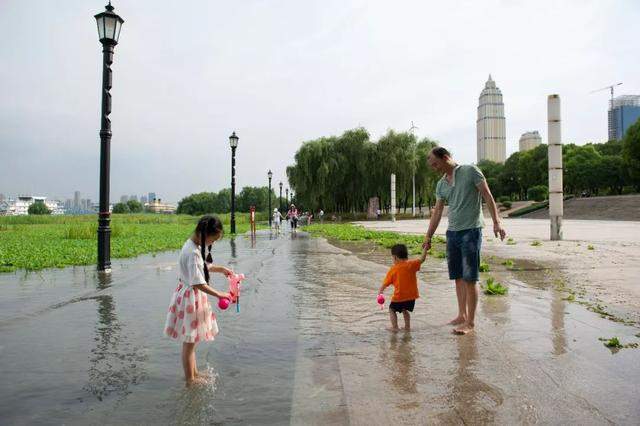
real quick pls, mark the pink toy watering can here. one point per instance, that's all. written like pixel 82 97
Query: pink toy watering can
pixel 234 288
pixel 381 301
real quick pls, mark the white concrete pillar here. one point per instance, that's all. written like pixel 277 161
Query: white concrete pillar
pixel 555 167
pixel 393 197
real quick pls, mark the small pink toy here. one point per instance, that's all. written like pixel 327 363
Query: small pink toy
pixel 223 303
pixel 381 300
pixel 234 288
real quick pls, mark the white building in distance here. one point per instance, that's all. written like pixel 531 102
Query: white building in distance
pixel 20 207
pixel 529 140
pixel 492 141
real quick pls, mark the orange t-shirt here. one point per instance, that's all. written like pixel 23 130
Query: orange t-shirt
pixel 403 277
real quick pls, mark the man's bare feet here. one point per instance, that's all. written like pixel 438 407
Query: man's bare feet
pixel 464 329
pixel 457 321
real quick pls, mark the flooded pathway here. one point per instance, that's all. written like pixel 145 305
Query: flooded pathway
pixel 308 347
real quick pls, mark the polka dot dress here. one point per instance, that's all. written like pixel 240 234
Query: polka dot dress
pixel 190 318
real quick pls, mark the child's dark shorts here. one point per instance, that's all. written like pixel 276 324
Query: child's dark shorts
pixel 406 305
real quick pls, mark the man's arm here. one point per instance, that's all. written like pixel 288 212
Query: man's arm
pixel 484 190
pixel 433 224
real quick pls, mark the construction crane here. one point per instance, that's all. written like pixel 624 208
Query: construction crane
pixel 607 87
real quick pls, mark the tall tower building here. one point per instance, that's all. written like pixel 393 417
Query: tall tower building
pixel 492 141
pixel 529 140
pixel 624 111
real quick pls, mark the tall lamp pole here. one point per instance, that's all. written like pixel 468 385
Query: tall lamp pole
pixel 280 198
pixel 270 175
pixel 109 26
pixel 233 143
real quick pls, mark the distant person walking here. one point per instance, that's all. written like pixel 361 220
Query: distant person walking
pixel 321 216
pixel 292 214
pixel 462 187
pixel 277 217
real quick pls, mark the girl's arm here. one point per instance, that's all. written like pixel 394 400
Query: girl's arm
pixel 220 269
pixel 212 291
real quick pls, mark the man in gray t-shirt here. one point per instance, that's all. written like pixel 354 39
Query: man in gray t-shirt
pixel 462 187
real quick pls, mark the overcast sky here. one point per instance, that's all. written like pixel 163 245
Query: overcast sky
pixel 188 73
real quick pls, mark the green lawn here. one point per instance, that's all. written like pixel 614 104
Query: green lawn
pixel 37 242
pixel 348 232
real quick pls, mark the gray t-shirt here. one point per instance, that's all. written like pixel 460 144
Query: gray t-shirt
pixel 463 198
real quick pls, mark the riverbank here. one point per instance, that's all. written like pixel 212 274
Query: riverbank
pixel 38 242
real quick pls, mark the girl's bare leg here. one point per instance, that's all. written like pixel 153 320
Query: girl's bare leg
pixel 189 361
pixel 394 319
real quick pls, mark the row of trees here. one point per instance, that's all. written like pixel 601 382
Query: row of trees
pixel 598 169
pixel 220 202
pixel 131 206
pixel 341 173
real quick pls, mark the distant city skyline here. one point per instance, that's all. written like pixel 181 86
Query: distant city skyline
pixel 335 65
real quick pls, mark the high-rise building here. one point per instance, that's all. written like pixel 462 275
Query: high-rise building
pixel 152 196
pixel 624 111
pixel 76 200
pixel 492 141
pixel 529 140
pixel 124 198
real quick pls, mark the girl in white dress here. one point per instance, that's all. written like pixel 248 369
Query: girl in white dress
pixel 277 217
pixel 190 319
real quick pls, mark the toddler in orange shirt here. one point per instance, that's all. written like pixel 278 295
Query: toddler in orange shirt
pixel 402 276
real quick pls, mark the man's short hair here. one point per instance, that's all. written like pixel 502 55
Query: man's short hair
pixel 400 251
pixel 440 152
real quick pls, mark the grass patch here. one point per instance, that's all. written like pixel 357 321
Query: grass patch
pixel 511 242
pixel 494 288
pixel 508 263
pixel 590 247
pixel 570 298
pixel 386 239
pixel 536 243
pixel 484 266
pixel 38 242
pixel 612 342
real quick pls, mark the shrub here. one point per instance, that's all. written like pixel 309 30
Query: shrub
pixel 121 208
pixel 503 198
pixel 506 204
pixel 38 208
pixel 538 193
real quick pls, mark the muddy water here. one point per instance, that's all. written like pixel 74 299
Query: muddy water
pixel 309 346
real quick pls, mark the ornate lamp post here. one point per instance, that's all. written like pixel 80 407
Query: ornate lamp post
pixel 280 198
pixel 270 175
pixel 233 143
pixel 109 26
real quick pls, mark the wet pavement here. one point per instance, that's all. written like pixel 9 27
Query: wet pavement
pixel 309 346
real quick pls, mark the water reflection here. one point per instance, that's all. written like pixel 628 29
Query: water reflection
pixel 232 243
pixel 113 364
pixel 558 336
pixel 401 362
pixel 474 401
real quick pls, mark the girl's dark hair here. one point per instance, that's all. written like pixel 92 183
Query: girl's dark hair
pixel 400 251
pixel 440 152
pixel 207 225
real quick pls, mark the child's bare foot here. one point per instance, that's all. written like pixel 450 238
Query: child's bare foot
pixel 464 329
pixel 204 375
pixel 196 381
pixel 457 321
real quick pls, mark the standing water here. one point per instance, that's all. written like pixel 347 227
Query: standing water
pixel 309 346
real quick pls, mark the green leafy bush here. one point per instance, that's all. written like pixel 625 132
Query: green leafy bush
pixel 538 193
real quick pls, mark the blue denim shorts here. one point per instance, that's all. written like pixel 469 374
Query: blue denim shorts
pixel 463 254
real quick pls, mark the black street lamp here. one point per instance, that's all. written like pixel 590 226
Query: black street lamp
pixel 270 215
pixel 233 143
pixel 109 26
pixel 280 198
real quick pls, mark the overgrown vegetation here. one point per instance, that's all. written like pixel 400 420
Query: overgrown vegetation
pixel 37 242
pixel 494 288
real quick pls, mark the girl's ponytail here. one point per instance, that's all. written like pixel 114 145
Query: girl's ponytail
pixel 208 225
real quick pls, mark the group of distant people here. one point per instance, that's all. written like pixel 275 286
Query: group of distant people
pixel 293 217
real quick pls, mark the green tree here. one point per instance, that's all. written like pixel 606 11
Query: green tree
pixel 631 153
pixel 538 193
pixel 38 208
pixel 134 206
pixel 121 208
pixel 492 171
